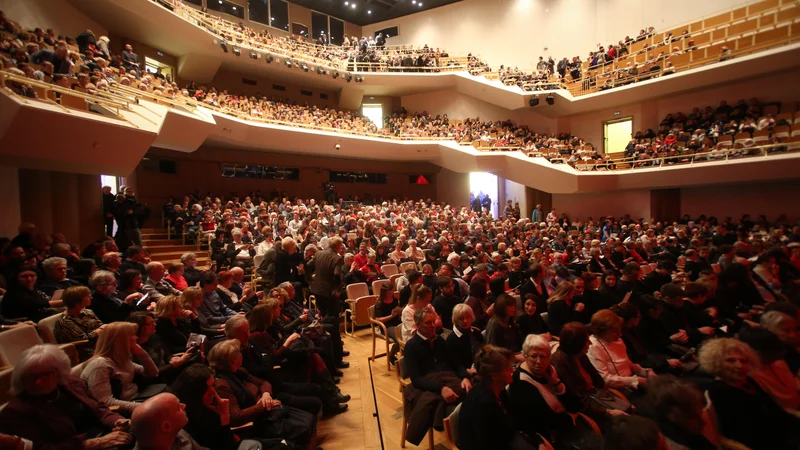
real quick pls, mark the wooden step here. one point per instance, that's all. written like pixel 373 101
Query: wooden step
pixel 164 235
pixel 177 247
pixel 149 242
pixel 153 230
pixel 158 256
pixel 201 262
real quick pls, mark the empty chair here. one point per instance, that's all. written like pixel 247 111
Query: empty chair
pixel 378 284
pixel 388 270
pixel 14 342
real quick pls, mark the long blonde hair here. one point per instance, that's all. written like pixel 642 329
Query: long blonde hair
pixel 416 293
pixel 114 343
pixel 563 290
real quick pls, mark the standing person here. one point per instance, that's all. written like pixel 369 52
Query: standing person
pixel 325 287
pixel 108 210
pixel 132 214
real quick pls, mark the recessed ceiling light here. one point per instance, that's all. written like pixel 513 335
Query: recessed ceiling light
pixel 353 6
pixel 234 8
pixel 369 11
pixel 346 3
pixel 419 4
pixel 413 2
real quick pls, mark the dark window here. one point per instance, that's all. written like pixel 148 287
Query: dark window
pixel 195 2
pixel 226 7
pixel 249 81
pixel 306 93
pixel 279 14
pixel 278 87
pixel 319 25
pixel 160 166
pixel 258 11
pixel 337 31
pixel 255 171
pixel 299 29
pixel 357 177
pixel 389 32
pixel 323 96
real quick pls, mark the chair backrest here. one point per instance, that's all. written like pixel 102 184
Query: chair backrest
pixel 14 342
pixel 5 385
pixel 377 285
pixel 357 290
pixel 451 427
pixel 47 327
pixel 407 265
pixel 361 316
pixel 389 269
pixel 257 260
pixel 401 369
pixel 393 279
pixel 371 310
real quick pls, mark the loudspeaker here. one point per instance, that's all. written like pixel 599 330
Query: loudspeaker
pixel 533 101
pixel 550 99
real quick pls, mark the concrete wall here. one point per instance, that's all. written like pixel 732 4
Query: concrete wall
pixel 9 186
pixel 59 15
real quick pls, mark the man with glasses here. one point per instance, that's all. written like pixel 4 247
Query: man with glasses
pixel 105 303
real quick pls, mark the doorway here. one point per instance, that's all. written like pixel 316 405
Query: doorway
pixel 617 134
pixel 373 112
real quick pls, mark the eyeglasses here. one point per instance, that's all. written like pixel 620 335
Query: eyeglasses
pixel 33 377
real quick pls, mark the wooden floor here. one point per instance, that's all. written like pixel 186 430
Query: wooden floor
pixel 357 429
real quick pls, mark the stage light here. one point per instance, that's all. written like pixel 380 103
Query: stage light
pixel 359 79
pixel 288 63
pixel 335 74
pixel 223 46
pixel 305 68
pixel 348 77
pixel 550 99
pixel 237 52
pixel 320 71
pixel 268 59
pixel 253 55
pixel 534 101
pixel 369 11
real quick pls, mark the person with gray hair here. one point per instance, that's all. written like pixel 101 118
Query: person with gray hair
pixel 158 424
pixel 190 271
pixel 785 327
pixel 155 285
pixel 55 276
pixel 112 261
pixel 438 380
pixel 41 384
pixel 465 340
pixel 105 303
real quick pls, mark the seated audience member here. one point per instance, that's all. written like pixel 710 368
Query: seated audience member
pixel 659 277
pixel 136 257
pixel 438 381
pixel 609 289
pixel 536 396
pixel 502 330
pixel 633 433
pixel 78 323
pixel 485 419
pixel 561 309
pixel 530 322
pixel 130 282
pixel 638 351
pixel 229 298
pixel 209 415
pixel 24 299
pixel 580 377
pixel 678 409
pixel 772 374
pixel 609 356
pixel 175 277
pixel 388 312
pixel 155 285
pixel 55 276
pixel 321 390
pixel 673 315
pixel 536 286
pixel 406 284
pixel 446 300
pixel 105 303
pixel 109 374
pixel 478 300
pixel 212 311
pixel 174 324
pixel 190 271
pixel 586 292
pixel 158 424
pixel 250 399
pixel 169 364
pixel 785 327
pixel 465 340
pixel 745 413
pixel 55 410
pixel 191 299
pixel 420 299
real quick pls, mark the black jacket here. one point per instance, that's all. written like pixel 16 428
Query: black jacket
pixel 421 359
pixel 110 310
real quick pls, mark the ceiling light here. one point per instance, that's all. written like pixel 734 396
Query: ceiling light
pixel 346 3
pixel 271 19
pixel 234 8
pixel 413 2
pixel 353 6
pixel 419 4
pixel 369 11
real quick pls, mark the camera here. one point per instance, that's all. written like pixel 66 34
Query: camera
pixel 337 146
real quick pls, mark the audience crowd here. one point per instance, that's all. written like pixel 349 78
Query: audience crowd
pixel 585 321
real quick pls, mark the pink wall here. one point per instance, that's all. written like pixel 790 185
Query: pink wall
pixel 781 87
pixel 59 15
pixel 770 199
pixel 460 106
pixel 615 203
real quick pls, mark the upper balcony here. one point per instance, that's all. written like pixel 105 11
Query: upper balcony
pixel 756 40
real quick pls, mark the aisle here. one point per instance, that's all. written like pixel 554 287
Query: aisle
pixel 357 429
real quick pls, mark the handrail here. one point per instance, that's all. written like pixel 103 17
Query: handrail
pixel 701 156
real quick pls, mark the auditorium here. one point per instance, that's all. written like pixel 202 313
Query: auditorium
pixel 383 224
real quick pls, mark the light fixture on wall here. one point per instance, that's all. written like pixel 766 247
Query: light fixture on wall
pixel 550 99
pixel 288 63
pixel 348 77
pixel 237 52
pixel 253 55
pixel 305 68
pixel 223 46
pixel 268 58
pixel 534 101
pixel 335 74
pixel 359 79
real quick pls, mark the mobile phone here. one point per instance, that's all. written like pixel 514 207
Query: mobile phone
pixel 144 297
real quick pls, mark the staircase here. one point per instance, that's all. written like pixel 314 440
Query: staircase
pixel 168 251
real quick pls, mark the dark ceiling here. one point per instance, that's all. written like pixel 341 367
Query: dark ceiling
pixel 367 12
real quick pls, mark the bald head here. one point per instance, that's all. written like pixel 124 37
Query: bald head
pixel 238 274
pixel 157 421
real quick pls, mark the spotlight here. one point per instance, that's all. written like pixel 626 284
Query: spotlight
pixel 305 68
pixel 369 11
pixel 269 59
pixel 348 77
pixel 550 99
pixel 534 101
pixel 359 79
pixel 237 52
pixel 223 46
pixel 353 6
pixel 253 55
pixel 335 74
pixel 320 71
pixel 288 63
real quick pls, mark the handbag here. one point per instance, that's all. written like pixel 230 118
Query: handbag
pixel 313 331
pixel 609 400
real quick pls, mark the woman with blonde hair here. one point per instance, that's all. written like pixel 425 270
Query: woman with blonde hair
pixel 745 413
pixel 609 356
pixel 174 324
pixel 421 297
pixel 191 299
pixel 109 374
pixel 560 310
